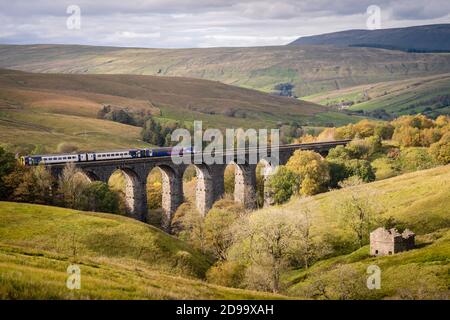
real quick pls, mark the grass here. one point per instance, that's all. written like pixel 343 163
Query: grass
pixel 312 69
pixel 420 273
pixel 40 111
pixel 119 258
pixel 419 201
pixel 398 97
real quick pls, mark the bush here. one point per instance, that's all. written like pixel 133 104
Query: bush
pixel 384 131
pixel 361 169
pixel 413 159
pixel 341 170
pixel 98 197
pixel 7 166
pixel 283 184
pixel 338 172
pixel 218 233
pixel 440 151
pixel 228 274
pixel 33 185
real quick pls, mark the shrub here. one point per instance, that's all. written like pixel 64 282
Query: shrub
pixel 7 166
pixel 227 273
pixel 218 233
pixel 413 159
pixel 283 184
pixel 98 197
pixel 440 151
pixel 361 169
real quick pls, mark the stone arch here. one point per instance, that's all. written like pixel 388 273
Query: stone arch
pixel 267 169
pixel 245 184
pixel 89 175
pixel 172 194
pixel 204 189
pixel 135 193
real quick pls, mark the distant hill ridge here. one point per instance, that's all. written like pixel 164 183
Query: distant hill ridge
pixel 428 38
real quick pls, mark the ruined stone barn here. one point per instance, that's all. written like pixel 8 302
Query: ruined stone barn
pixel 385 242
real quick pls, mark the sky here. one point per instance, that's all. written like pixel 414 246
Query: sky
pixel 201 23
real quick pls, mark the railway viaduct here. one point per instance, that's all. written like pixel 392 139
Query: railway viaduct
pixel 210 178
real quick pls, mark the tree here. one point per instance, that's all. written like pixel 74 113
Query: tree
pixel 189 225
pixel 71 186
pixel 283 184
pixel 264 242
pixel 218 232
pixel 305 246
pixel 98 197
pixel 384 130
pixel 33 185
pixel 7 165
pixel 312 169
pixel 360 168
pixel 358 213
pixel 440 151
pixel 413 159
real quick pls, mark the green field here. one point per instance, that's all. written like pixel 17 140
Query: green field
pixel 419 201
pixel 417 95
pixel 422 273
pixel 119 258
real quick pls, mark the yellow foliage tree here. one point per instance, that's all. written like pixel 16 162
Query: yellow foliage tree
pixel 312 169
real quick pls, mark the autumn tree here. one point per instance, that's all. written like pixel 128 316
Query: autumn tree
pixel 440 151
pixel 312 169
pixel 72 183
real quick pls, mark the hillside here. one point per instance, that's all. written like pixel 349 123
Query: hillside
pixel 421 273
pixel 428 95
pixel 119 258
pixel 311 69
pixel 48 109
pixel 428 38
pixel 417 200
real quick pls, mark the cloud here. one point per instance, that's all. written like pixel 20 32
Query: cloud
pixel 202 23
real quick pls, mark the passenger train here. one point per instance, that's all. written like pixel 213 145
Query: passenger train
pixel 101 156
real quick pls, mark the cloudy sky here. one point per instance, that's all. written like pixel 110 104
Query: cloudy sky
pixel 200 23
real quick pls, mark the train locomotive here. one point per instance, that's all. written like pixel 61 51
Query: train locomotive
pixel 34 160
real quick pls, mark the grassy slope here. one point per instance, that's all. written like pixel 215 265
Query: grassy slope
pixel 119 258
pixel 396 97
pixel 48 109
pixel 420 273
pixel 311 69
pixel 418 200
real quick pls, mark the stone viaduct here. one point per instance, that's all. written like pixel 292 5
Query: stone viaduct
pixel 210 178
